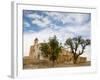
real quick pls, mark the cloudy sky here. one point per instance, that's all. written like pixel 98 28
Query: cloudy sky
pixel 45 24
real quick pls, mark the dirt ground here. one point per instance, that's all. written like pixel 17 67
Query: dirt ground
pixel 42 65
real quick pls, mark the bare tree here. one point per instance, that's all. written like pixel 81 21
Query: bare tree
pixel 77 46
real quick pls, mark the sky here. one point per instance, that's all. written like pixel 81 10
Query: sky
pixel 45 24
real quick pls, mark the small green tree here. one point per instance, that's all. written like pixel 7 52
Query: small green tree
pixel 77 46
pixel 55 47
pixel 45 49
pixel 51 49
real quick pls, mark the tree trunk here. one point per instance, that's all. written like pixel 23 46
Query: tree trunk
pixel 53 63
pixel 75 61
pixel 75 58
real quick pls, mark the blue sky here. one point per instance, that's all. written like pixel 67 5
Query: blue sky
pixel 74 23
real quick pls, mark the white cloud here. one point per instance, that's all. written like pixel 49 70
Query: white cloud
pixel 34 15
pixel 57 15
pixel 39 20
pixel 83 30
pixel 74 18
pixel 42 22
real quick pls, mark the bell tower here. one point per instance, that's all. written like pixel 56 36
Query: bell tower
pixel 36 41
pixel 36 49
pixel 33 49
